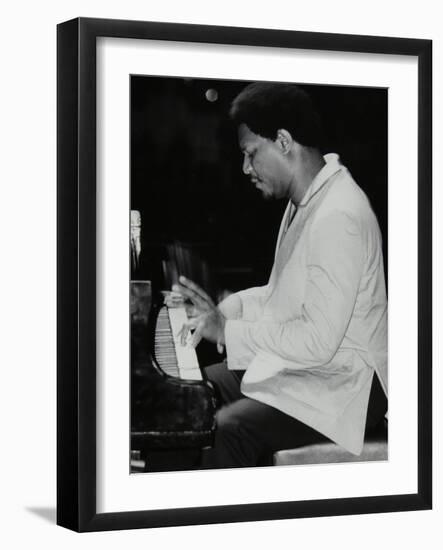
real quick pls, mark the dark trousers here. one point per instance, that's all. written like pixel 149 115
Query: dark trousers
pixel 249 432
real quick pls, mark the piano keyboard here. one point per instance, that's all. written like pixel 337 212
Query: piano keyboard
pixel 174 358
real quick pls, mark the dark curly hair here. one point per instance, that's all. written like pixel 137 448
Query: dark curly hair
pixel 266 107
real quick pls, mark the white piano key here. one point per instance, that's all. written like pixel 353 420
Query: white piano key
pixel 190 374
pixel 186 355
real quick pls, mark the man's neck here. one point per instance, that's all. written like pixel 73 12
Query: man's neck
pixel 308 165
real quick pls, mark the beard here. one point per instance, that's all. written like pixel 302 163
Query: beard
pixel 266 193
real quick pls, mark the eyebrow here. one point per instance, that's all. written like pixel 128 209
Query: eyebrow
pixel 245 149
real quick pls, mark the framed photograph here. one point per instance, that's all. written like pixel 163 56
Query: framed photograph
pixel 244 274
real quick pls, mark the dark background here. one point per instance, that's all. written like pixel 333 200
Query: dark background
pixel 187 182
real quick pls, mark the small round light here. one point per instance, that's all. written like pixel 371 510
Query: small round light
pixel 211 95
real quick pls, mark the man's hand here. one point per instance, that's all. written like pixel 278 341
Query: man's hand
pixel 209 322
pixel 173 299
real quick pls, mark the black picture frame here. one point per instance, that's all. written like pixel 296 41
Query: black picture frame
pixel 76 278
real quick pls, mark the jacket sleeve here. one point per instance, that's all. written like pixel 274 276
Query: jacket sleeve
pixel 335 260
pixel 246 304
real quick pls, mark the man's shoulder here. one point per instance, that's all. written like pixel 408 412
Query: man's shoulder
pixel 345 200
pixel 345 195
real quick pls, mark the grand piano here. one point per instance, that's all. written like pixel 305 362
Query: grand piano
pixel 172 405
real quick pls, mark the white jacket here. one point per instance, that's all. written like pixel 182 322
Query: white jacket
pixel 311 339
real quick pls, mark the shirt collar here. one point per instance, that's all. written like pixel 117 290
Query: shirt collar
pixel 332 166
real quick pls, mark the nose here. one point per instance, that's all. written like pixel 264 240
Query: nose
pixel 246 165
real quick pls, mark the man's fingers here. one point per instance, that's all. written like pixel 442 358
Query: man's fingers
pixel 197 336
pixel 195 288
pixel 198 302
pixel 173 299
pixel 183 333
pixel 196 294
pixel 192 311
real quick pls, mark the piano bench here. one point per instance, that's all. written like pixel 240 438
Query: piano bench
pixel 328 452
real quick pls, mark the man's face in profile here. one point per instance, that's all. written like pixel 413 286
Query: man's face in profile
pixel 264 163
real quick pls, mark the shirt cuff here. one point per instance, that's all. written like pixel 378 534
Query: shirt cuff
pixel 252 303
pixel 231 307
pixel 239 352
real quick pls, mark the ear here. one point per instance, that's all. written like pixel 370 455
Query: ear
pixel 284 140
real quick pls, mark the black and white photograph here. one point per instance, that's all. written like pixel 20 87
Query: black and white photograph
pixel 258 260
pixel 244 274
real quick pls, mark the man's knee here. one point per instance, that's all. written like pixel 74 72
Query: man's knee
pixel 226 383
pixel 239 417
pixel 237 442
pixel 214 372
pixel 227 420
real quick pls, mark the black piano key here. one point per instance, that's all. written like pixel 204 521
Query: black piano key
pixel 164 345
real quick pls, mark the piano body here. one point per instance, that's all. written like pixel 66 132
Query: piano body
pixel 172 406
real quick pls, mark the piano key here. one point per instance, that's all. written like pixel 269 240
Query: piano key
pixel 174 358
pixel 191 374
pixel 186 355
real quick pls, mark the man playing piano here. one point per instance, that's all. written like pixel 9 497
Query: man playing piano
pixel 307 352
